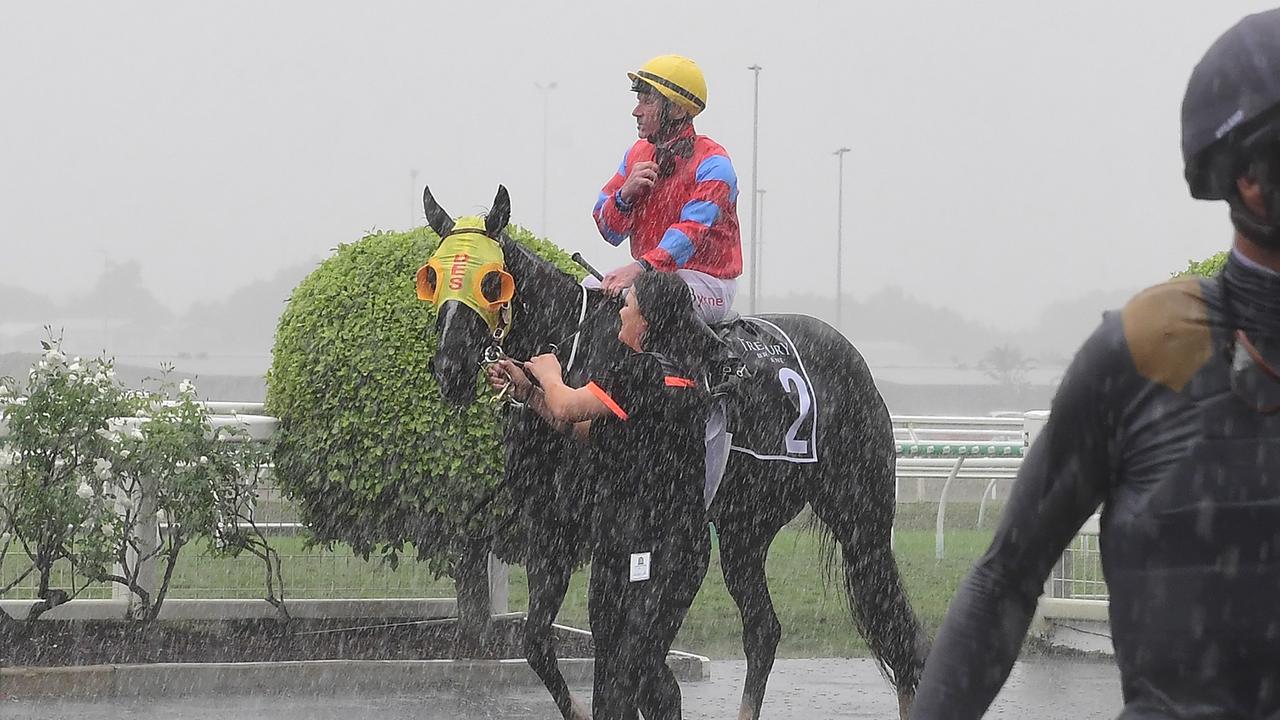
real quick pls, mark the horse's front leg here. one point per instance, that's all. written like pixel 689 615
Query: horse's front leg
pixel 550 567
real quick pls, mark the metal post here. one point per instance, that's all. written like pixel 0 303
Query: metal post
pixel 755 161
pixel 939 542
pixel 546 114
pixel 499 586
pixel 757 258
pixel 840 240
pixel 414 199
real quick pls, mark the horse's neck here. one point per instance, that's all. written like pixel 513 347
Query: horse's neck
pixel 548 311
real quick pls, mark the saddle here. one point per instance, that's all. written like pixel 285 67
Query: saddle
pixel 772 412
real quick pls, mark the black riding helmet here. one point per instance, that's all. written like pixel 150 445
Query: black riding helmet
pixel 1231 122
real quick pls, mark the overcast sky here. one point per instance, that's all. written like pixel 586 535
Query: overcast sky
pixel 1005 154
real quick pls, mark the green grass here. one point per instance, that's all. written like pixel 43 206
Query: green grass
pixel 813 612
pixel 814 615
pixel 308 573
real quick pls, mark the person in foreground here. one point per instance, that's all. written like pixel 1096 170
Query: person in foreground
pixel 1168 417
pixel 643 421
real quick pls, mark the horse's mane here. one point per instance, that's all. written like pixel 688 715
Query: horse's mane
pixel 533 258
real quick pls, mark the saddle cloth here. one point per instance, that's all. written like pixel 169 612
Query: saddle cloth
pixel 770 414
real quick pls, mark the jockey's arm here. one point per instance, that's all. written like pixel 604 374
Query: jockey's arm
pixel 612 213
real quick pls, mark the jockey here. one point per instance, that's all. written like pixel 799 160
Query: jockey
pixel 675 195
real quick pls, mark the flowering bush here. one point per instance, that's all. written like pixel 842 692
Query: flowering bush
pixel 89 469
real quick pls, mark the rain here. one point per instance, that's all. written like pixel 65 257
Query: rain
pixel 346 372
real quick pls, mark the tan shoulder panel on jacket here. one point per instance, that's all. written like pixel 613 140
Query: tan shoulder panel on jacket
pixel 1167 329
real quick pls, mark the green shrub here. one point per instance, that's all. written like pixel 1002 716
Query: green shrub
pixel 366 447
pixel 1207 267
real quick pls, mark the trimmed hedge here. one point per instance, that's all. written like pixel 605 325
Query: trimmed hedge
pixel 1207 267
pixel 366 448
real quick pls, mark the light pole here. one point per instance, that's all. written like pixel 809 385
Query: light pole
pixel 546 103
pixel 757 277
pixel 840 239
pixel 413 198
pixel 755 162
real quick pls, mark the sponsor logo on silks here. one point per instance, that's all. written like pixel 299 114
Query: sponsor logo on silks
pixel 469 267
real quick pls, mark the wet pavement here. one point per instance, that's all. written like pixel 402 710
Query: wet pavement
pixel 1047 689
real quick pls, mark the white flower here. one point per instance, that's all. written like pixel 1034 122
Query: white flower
pixel 185 387
pixel 124 453
pixel 204 460
pixel 102 468
pixel 75 366
pixel 52 355
pixel 136 434
pixel 84 492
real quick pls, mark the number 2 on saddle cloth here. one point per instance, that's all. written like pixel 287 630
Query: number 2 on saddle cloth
pixel 773 409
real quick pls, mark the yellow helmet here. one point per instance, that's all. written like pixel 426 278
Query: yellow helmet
pixel 678 79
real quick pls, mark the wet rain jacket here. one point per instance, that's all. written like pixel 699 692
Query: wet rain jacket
pixel 649 460
pixel 1146 423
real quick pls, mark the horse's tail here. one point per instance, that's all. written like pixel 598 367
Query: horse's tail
pixel 857 504
pixel 828 549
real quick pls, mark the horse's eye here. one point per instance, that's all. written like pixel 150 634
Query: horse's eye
pixel 431 278
pixel 491 286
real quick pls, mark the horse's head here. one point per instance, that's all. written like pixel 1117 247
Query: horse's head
pixel 468 282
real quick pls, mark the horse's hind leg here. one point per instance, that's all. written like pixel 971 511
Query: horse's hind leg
pixel 743 549
pixel 858 508
pixel 548 583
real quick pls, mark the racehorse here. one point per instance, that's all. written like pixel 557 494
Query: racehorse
pixel 849 486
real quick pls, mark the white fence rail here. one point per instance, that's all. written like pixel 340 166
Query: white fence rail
pixel 988 449
pixel 974 451
pixel 330 583
pixel 1073 609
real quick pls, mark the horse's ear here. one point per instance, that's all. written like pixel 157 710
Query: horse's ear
pixel 500 214
pixel 437 218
